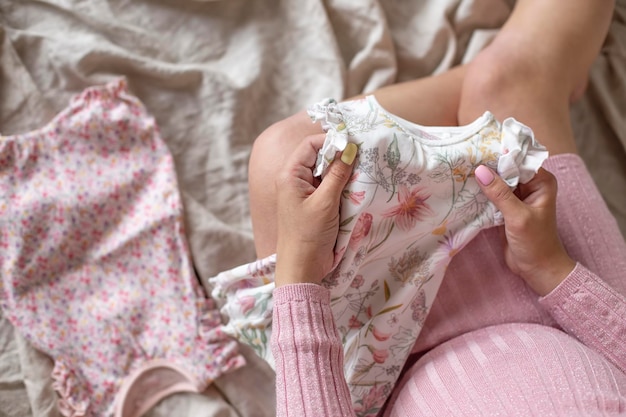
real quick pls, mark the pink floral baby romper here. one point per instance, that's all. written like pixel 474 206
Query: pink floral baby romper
pixel 411 204
pixel 94 263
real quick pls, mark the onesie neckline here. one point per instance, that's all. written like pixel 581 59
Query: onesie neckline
pixel 432 135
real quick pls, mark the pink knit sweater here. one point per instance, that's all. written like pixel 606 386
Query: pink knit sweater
pixel 490 346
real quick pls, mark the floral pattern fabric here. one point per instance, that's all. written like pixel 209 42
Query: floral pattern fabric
pixel 94 265
pixel 412 203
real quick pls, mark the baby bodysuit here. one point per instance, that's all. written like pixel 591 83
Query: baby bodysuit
pixel 411 204
pixel 94 266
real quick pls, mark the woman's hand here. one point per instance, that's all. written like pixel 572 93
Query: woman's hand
pixel 308 213
pixel 533 249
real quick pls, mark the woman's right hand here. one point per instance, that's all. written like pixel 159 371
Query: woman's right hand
pixel 308 213
pixel 533 249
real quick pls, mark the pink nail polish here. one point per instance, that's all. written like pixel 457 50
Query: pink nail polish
pixel 484 175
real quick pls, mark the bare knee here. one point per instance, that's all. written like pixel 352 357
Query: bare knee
pixel 511 80
pixel 271 148
pixel 513 83
pixel 541 55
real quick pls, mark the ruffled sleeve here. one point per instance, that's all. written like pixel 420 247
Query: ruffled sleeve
pixel 328 112
pixel 522 155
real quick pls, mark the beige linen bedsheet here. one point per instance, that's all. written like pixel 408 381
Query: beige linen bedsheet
pixel 215 74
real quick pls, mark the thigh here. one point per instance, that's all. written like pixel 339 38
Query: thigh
pixel 513 370
pixel 429 101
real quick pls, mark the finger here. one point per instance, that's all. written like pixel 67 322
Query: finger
pixel 497 191
pixel 338 174
pixel 542 186
pixel 299 166
pixel 306 153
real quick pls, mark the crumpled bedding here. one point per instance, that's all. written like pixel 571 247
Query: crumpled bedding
pixel 215 74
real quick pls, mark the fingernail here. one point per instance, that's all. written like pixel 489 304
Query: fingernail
pixel 484 175
pixel 348 155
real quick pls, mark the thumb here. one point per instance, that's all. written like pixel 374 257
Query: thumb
pixel 497 191
pixel 338 174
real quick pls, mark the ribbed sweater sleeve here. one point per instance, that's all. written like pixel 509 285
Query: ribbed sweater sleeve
pixel 592 311
pixel 308 353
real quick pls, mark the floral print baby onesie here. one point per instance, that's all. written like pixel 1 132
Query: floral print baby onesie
pixel 411 204
pixel 94 263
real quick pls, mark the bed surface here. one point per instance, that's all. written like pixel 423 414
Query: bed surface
pixel 215 74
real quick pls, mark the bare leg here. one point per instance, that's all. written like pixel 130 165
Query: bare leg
pixel 536 64
pixel 428 101
pixel 432 101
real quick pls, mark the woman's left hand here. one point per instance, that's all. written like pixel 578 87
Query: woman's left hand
pixel 308 213
pixel 533 249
